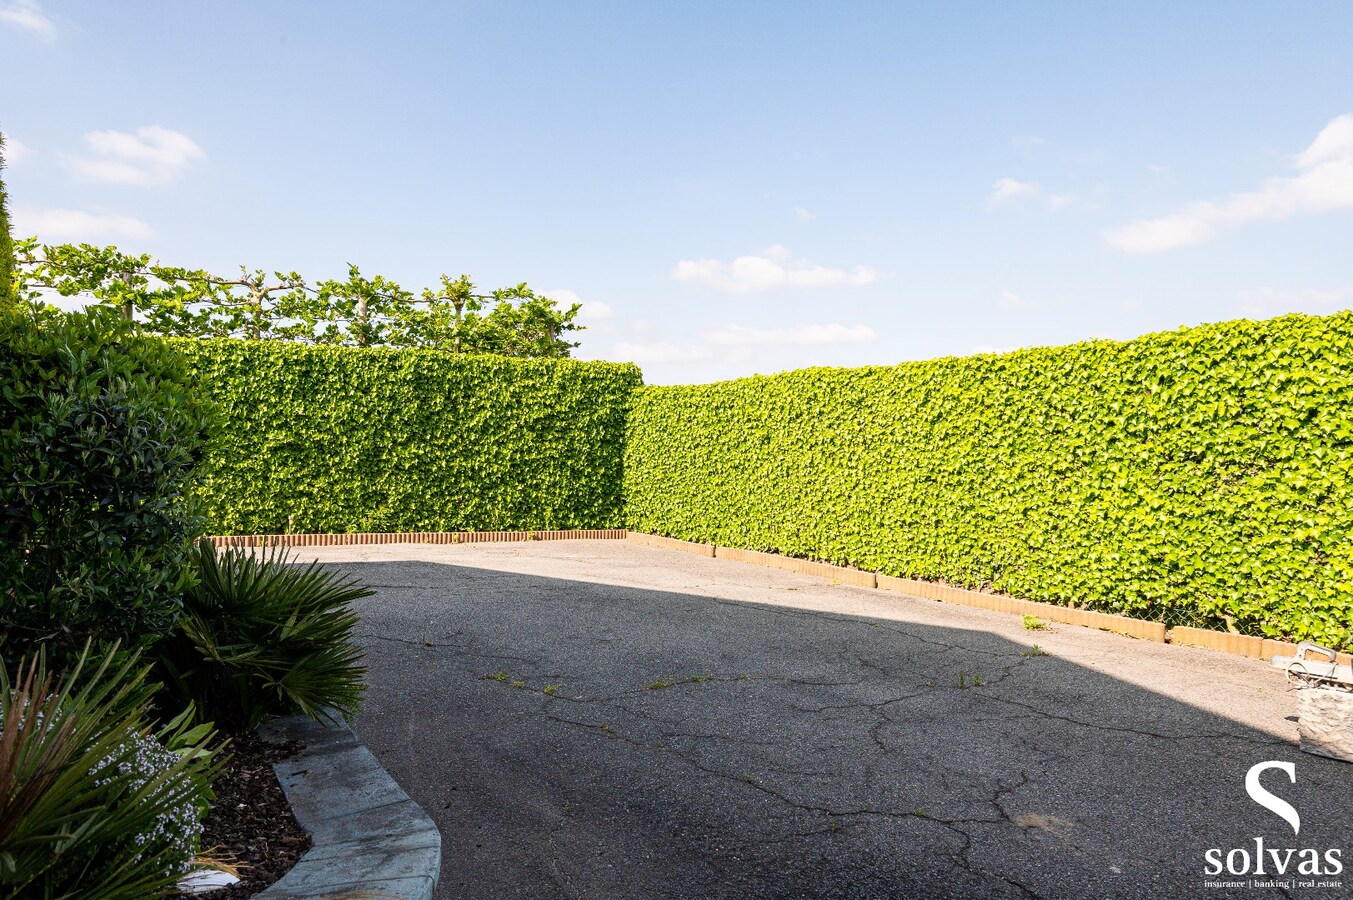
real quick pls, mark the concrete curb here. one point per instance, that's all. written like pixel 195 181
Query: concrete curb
pixel 370 840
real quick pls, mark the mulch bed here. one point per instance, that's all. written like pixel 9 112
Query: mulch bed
pixel 250 825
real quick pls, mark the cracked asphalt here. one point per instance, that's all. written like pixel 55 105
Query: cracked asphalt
pixel 604 719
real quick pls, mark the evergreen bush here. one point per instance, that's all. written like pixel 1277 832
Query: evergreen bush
pixel 98 438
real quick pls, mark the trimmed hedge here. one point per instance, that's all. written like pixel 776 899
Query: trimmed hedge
pixel 1194 477
pixel 339 439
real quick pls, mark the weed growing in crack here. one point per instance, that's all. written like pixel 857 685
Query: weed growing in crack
pixel 920 812
pixel 549 690
pixel 1035 650
pixel 1034 623
pixel 519 684
pixel 672 680
pixel 500 675
pixel 977 681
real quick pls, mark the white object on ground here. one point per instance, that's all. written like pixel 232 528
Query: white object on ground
pixel 1315 664
pixel 202 881
pixel 1325 721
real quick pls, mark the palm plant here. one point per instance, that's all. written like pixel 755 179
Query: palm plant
pixel 260 636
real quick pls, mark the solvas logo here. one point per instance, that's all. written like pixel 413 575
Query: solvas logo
pixel 1275 861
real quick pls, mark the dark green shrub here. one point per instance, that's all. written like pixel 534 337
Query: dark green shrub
pixel 339 439
pixel 1197 477
pixel 98 437
pixel 262 637
pixel 91 803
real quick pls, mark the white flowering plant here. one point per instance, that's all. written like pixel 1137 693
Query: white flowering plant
pixel 92 803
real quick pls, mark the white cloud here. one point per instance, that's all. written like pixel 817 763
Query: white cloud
pixel 1032 145
pixel 1324 183
pixel 76 225
pixel 15 151
pixel 1266 302
pixel 592 310
pixel 596 311
pixel 1057 201
pixel 803 215
pixel 657 352
pixel 776 269
pixel 28 15
pixel 801 335
pixel 152 156
pixel 1012 301
pixel 563 297
pixel 1003 190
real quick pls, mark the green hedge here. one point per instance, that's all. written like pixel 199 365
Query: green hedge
pixel 1194 477
pixel 336 439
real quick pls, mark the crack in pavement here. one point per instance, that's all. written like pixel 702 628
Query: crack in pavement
pixel 857 683
pixel 1124 729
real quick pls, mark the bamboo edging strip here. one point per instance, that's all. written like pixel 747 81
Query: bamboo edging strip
pixel 654 540
pixel 413 537
pixel 1052 612
pixel 1143 629
pixel 1239 644
pixel 856 577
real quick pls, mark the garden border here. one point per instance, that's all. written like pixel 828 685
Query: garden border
pixel 368 838
pixel 1145 629
pixel 413 537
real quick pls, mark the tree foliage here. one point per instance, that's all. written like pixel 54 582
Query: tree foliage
pixel 358 311
pixel 7 261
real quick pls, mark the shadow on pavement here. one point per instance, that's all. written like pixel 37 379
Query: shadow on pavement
pixel 580 739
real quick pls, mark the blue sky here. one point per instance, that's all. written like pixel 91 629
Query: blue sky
pixel 729 188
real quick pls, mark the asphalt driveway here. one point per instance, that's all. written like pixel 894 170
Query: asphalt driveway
pixel 603 719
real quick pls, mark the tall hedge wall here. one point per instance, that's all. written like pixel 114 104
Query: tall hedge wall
pixel 1196 477
pixel 336 439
